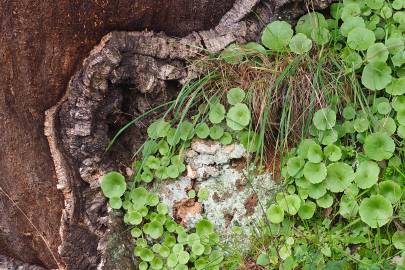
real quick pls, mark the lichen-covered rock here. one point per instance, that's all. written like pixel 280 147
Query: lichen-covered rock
pixel 235 197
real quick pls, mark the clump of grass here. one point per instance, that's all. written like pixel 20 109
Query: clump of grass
pixel 283 93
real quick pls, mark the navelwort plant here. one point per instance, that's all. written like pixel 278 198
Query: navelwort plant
pixel 342 203
pixel 348 176
pixel 161 243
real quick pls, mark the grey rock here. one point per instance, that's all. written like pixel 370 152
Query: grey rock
pixel 235 197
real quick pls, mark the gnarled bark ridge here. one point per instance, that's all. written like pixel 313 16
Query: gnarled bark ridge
pixel 128 70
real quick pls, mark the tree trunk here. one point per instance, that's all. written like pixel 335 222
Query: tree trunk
pixel 53 214
pixel 41 44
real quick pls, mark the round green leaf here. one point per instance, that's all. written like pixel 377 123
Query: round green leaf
pixel 360 39
pixel 398 59
pixel 367 174
pixel 316 191
pixel 386 12
pixel 349 112
pixel 398 4
pixel 275 214
pixel 351 23
pixel 134 217
pixel 238 117
pixel 361 124
pixel 146 254
pixel 328 136
pixel 351 58
pixel 315 172
pixel 113 185
pixel 154 229
pixel 398 104
pixel 398 240
pixel 384 108
pixel 295 167
pixel 181 267
pixel 139 197
pixel 315 153
pixel 396 87
pixel 339 176
pixel 379 33
pixel 336 10
pixel 321 36
pixel 186 130
pixel 197 248
pixel 376 75
pixel 303 147
pixel 309 22
pixel 233 54
pixel 386 125
pixel 263 259
pixel 375 211
pixel 348 206
pixel 401 132
pixel 204 227
pixel 164 251
pixel 115 203
pixel 377 53
pixel 350 10
pixel 161 172
pixel 173 137
pixel 307 210
pixel 217 113
pixel 254 47
pixel 147 176
pixel 184 257
pixel 395 45
pixel 302 182
pixel 277 35
pixel 136 232
pixel 172 171
pixel 162 208
pixel 375 4
pixel 289 203
pixel 401 117
pixel 235 95
pixel 152 162
pixel 379 146
pixel 143 266
pixel 325 201
pixel 390 190
pixel 158 129
pixel 324 119
pixel 226 138
pixel 202 130
pixel 203 194
pixel 163 147
pixel 300 44
pixel 250 140
pixel 216 132
pixel 333 152
pixel 172 260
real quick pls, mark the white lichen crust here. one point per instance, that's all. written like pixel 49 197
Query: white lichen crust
pixel 235 197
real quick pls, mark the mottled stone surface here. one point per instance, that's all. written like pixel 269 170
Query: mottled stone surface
pixel 235 197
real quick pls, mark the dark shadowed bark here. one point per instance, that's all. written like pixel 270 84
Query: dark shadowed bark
pixel 41 44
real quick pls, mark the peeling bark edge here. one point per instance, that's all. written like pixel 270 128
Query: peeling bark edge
pixel 237 25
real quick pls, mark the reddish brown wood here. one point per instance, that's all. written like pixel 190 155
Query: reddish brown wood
pixel 41 44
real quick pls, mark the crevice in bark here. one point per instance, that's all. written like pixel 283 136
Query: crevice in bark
pixel 125 75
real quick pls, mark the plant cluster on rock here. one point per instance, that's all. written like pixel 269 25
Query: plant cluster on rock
pixel 342 204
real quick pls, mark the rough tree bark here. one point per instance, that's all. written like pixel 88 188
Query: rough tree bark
pixel 42 44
